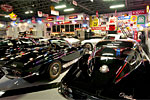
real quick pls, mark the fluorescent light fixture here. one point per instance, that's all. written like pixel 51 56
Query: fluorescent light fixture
pixel 6 16
pixel 92 0
pixel 108 0
pixel 60 7
pixel 31 11
pixel 117 6
pixel 27 12
pixel 69 9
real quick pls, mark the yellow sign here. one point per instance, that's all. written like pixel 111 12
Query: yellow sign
pixel 133 18
pixel 95 23
pixel 147 8
pixel 52 7
pixel 13 16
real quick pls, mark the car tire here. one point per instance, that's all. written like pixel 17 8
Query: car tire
pixel 88 46
pixel 54 69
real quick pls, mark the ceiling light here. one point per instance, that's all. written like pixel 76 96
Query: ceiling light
pixel 60 6
pixel 92 0
pixel 108 0
pixel 31 11
pixel 117 6
pixel 6 16
pixel 27 12
pixel 69 9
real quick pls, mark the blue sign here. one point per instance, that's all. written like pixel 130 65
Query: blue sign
pixel 124 17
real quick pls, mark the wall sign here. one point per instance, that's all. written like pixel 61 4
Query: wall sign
pixel 138 12
pixel 60 18
pixel 13 16
pixel 53 12
pixel 50 19
pixel 95 23
pixel 124 17
pixel 141 19
pixel 99 28
pixel 73 17
pixel 133 18
pixel 96 28
pixel 40 14
pixel 6 7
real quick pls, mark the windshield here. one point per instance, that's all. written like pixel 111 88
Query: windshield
pixel 115 44
pixel 28 41
pixel 3 43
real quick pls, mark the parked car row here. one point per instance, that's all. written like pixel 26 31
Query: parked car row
pixel 25 57
pixel 115 68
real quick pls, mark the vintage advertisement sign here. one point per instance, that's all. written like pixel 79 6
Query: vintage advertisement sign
pixel 60 18
pixel 98 28
pixel 138 12
pixel 141 19
pixel 95 23
pixel 53 12
pixel 133 18
pixel 73 17
pixel 124 17
pixel 6 7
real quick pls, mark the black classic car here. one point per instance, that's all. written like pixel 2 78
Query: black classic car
pixel 116 69
pixel 40 60
pixel 15 45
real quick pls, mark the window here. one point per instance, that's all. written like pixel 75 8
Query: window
pixel 71 28
pixel 54 28
pixel 77 26
pixel 58 28
pixel 62 26
pixel 67 28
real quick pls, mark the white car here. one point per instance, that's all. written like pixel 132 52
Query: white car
pixel 43 41
pixel 90 43
pixel 73 41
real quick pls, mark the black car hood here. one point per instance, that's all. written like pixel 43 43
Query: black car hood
pixel 92 82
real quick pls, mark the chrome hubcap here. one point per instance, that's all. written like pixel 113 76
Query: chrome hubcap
pixel 55 69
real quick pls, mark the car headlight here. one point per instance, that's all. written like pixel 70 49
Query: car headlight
pixel 104 69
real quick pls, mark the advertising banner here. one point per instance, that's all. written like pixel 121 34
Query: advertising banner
pixel 133 18
pixel 141 19
pixel 95 23
pixel 139 12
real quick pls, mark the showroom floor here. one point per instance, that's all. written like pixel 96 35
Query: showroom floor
pixel 38 90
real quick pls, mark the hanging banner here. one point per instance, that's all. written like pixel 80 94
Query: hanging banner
pixel 133 18
pixel 141 19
